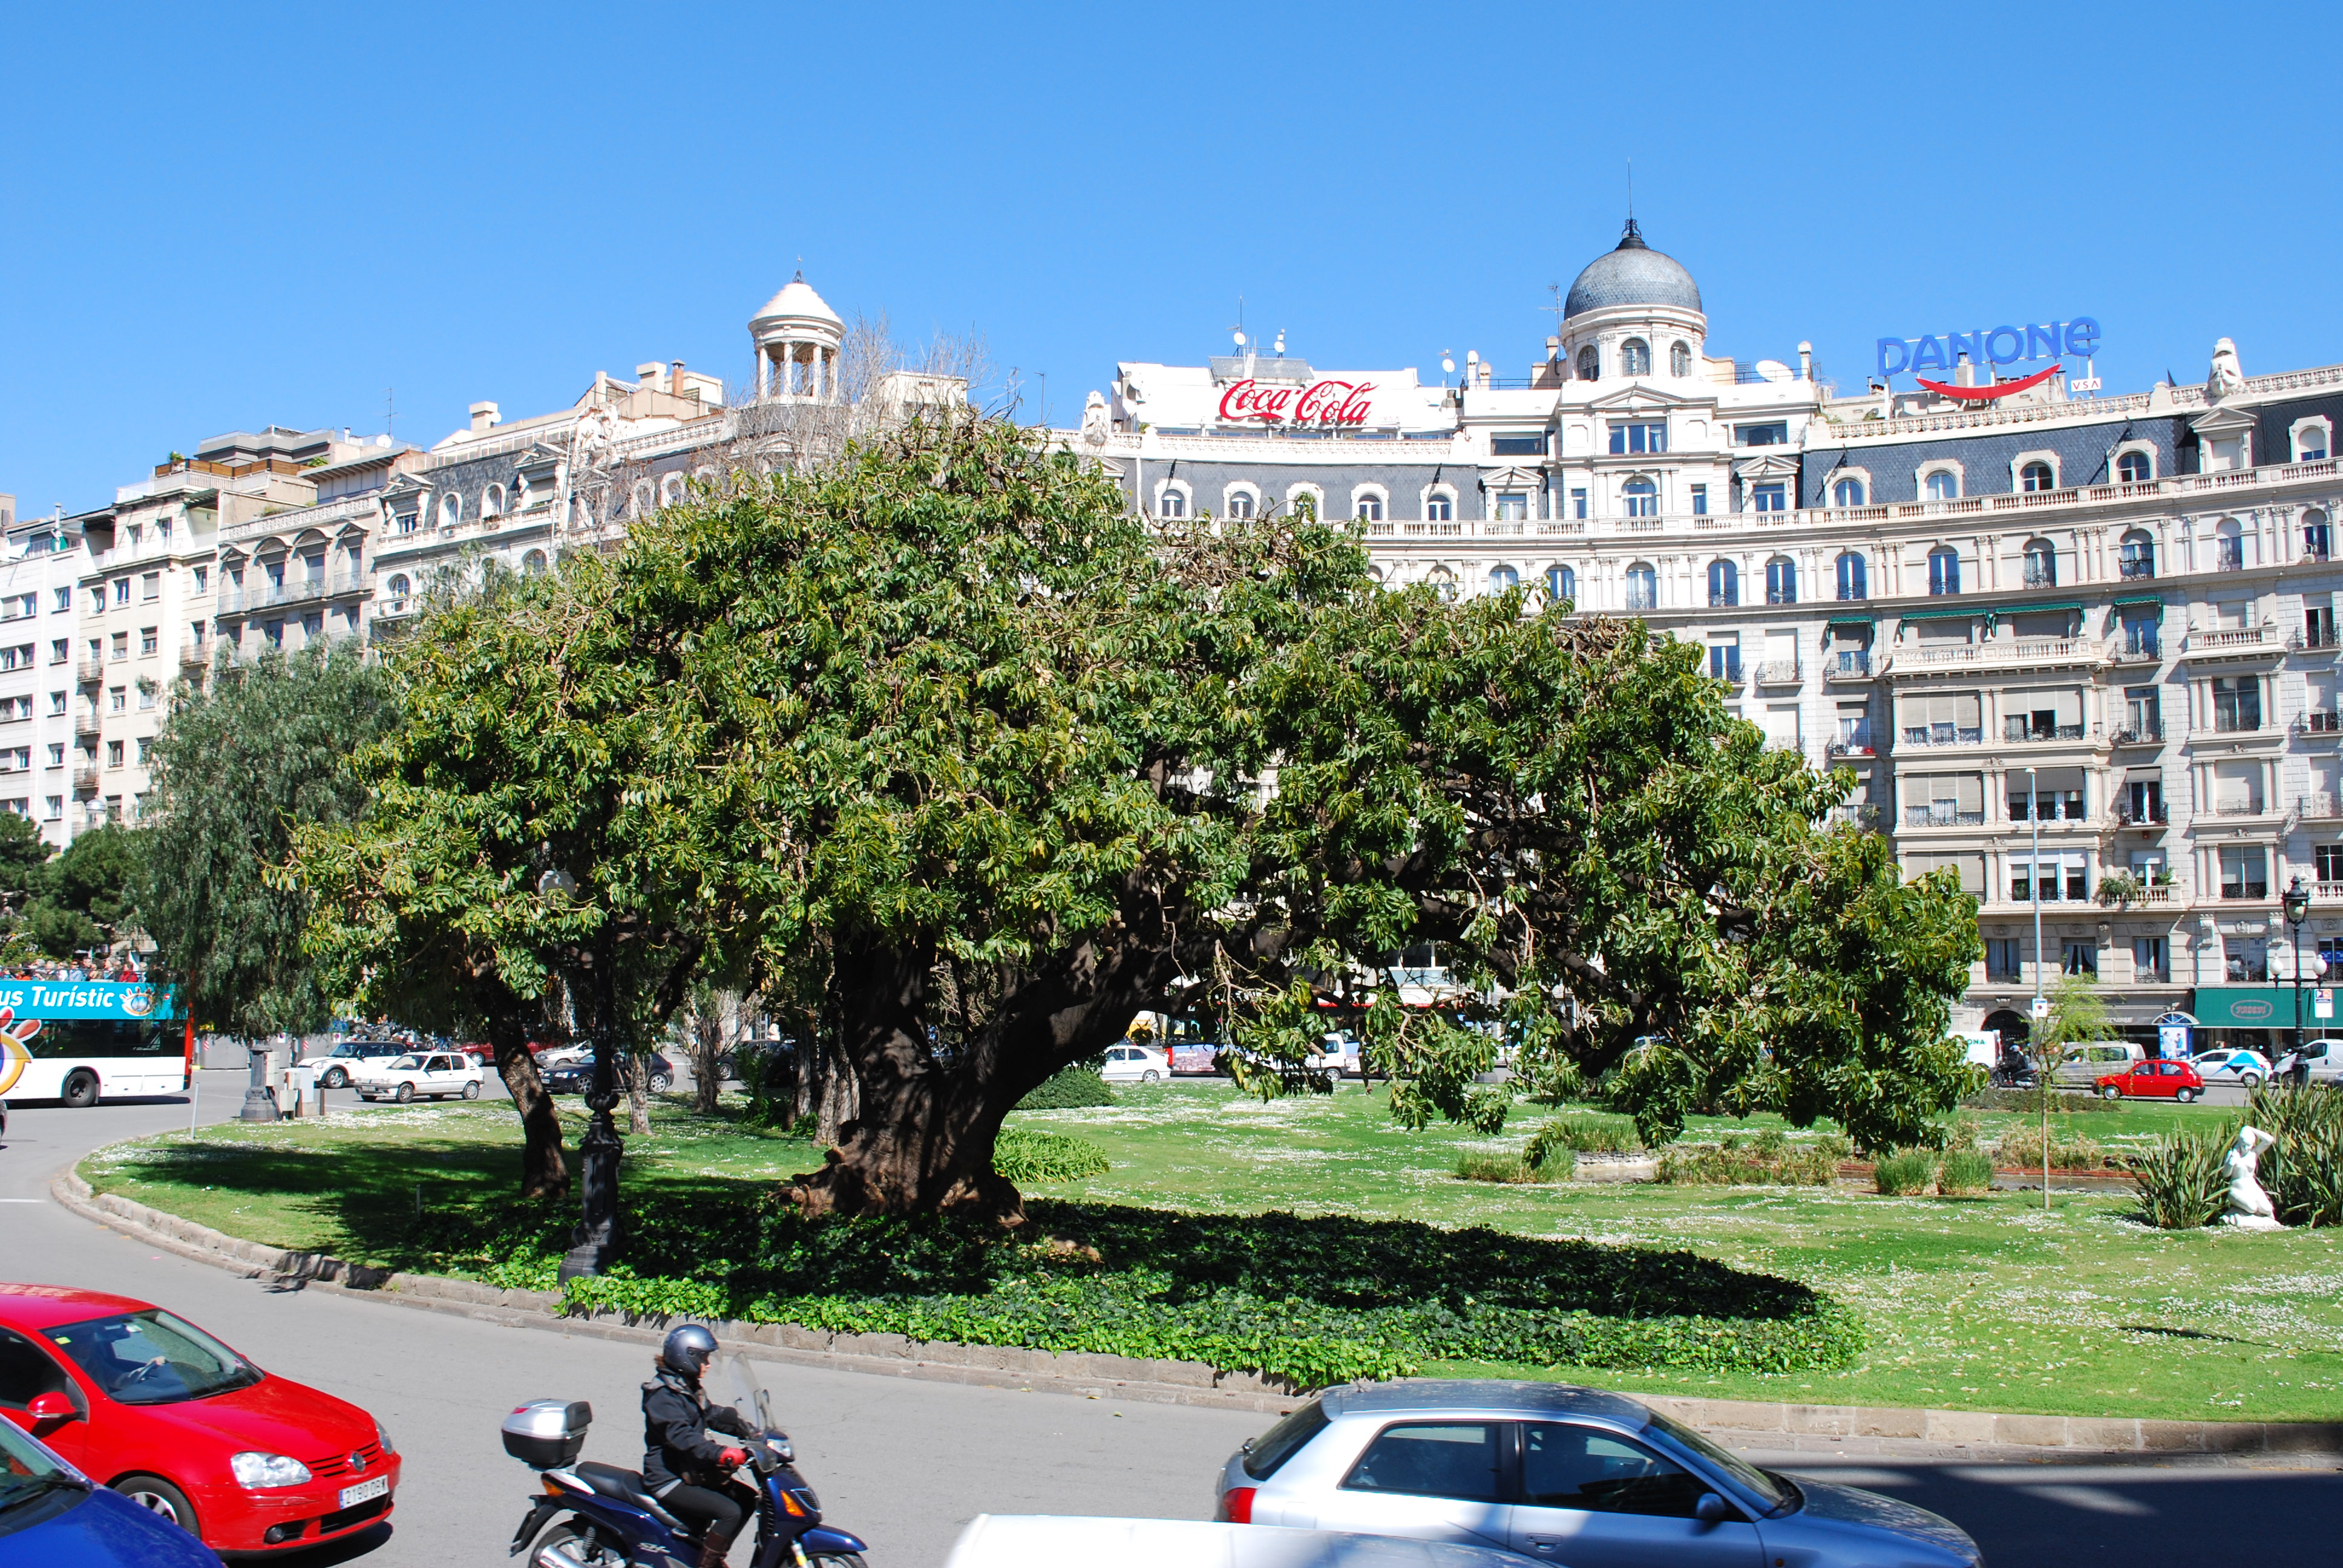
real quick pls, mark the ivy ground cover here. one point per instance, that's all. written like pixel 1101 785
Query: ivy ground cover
pixel 1387 1262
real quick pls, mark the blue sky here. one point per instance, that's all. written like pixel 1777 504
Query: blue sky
pixel 211 220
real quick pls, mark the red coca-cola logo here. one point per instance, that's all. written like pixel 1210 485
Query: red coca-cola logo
pixel 1320 403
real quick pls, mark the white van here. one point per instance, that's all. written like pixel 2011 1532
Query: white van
pixel 2081 1066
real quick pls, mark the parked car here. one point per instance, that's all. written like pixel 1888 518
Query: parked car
pixel 2153 1081
pixel 335 1067
pixel 2321 1061
pixel 1128 1063
pixel 52 1515
pixel 1062 1541
pixel 2081 1066
pixel 1562 1474
pixel 576 1076
pixel 2250 1068
pixel 184 1427
pixel 432 1075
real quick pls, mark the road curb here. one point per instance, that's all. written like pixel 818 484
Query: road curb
pixel 1154 1381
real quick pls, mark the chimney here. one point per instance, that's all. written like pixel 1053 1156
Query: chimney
pixel 675 378
pixel 484 417
pixel 1805 361
pixel 1552 349
pixel 648 374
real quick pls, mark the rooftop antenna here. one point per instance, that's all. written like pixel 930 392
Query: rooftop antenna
pixel 389 410
pixel 1555 289
pixel 1631 190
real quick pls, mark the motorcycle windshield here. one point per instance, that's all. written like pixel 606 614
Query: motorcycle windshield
pixel 739 1385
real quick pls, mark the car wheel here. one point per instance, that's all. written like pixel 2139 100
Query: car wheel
pixel 2185 1096
pixel 406 1093
pixel 661 1083
pixel 160 1498
pixel 336 1079
pixel 2110 1092
pixel 1151 1076
pixel 472 1089
pixel 2250 1079
pixel 81 1090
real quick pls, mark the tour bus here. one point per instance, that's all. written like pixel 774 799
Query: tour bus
pixel 82 1041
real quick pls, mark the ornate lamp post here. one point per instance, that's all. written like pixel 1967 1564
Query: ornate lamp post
pixel 595 1241
pixel 2298 909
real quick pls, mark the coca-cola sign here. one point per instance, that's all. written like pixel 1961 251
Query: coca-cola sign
pixel 1320 403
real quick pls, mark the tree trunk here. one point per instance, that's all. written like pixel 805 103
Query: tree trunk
pixel 543 1172
pixel 705 1026
pixel 634 1077
pixel 837 1098
pixel 920 1145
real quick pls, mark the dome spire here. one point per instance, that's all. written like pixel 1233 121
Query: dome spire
pixel 1633 238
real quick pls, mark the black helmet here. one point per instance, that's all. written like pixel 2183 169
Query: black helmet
pixel 688 1348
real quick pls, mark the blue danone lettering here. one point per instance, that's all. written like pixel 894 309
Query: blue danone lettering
pixel 2003 345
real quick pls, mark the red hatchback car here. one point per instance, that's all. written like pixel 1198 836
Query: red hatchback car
pixel 2154 1080
pixel 171 1418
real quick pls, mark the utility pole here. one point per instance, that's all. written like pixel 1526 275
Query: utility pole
pixel 2045 1051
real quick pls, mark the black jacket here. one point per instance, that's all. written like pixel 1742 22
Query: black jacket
pixel 676 1447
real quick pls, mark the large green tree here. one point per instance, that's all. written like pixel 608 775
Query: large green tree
pixel 237 768
pixel 940 739
pixel 85 901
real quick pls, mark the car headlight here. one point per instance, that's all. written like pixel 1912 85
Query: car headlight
pixel 264 1469
pixel 382 1436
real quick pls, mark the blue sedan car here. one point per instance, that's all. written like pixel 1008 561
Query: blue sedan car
pixel 53 1516
pixel 1560 1474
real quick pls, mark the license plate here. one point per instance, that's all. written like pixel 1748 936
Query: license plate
pixel 364 1490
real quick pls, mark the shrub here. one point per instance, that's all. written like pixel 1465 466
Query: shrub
pixel 1767 1159
pixel 1068 1089
pixel 2304 1173
pixel 1965 1172
pixel 1582 1135
pixel 1904 1171
pixel 1022 1155
pixel 2062 1102
pixel 2021 1149
pixel 1482 1166
pixel 2182 1182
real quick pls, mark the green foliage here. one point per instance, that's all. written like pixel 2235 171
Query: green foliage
pixel 1069 1088
pixel 2063 1102
pixel 1904 1171
pixel 1483 1166
pixel 2182 1182
pixel 1022 1155
pixel 1582 1135
pixel 236 769
pixel 1313 1300
pixel 2021 1148
pixel 2076 1016
pixel 1767 1158
pixel 2303 1175
pixel 1964 1172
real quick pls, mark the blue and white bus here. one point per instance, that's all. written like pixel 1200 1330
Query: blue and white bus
pixel 84 1040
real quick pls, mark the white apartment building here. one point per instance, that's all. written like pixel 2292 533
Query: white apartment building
pixel 41 562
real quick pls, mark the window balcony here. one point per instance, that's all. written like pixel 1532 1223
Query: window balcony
pixel 85 725
pixel 1941 735
pixel 2138 735
pixel 2229 556
pixel 1855 744
pixel 2154 813
pixel 2234 724
pixel 1722 601
pixel 2322 807
pixel 89 670
pixel 1941 814
pixel 2040 574
pixel 2240 640
pixel 2319 722
pixel 1861 816
pixel 1729 671
pixel 1778 672
pixel 2240 892
pixel 2327 892
pixel 2236 808
pixel 2316 639
pixel 1640 603
pixel 85 778
pixel 2135 569
pixel 2135 650
pixel 1849 664
pixel 195 655
pixel 2015 730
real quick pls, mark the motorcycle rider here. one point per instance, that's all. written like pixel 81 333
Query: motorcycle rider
pixel 689 1474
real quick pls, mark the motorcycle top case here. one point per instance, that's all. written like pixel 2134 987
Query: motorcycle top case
pixel 547 1433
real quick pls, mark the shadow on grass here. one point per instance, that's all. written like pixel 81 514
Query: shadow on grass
pixel 741 1234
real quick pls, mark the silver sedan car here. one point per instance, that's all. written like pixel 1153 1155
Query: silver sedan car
pixel 1561 1475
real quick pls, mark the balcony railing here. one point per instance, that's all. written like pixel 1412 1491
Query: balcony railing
pixel 2001 652
pixel 1941 815
pixel 2018 731
pixel 2323 806
pixel 89 670
pixel 1942 735
pixel 2150 815
pixel 2138 735
pixel 2236 808
pixel 2319 722
pixel 195 654
pixel 2327 892
pixel 2039 575
pixel 2315 639
pixel 2229 556
pixel 85 724
pixel 85 778
pixel 1857 745
pixel 2242 891
pixel 2233 639
pixel 1848 663
pixel 2137 568
pixel 2235 723
pixel 1778 672
pixel 1728 672
pixel 2135 650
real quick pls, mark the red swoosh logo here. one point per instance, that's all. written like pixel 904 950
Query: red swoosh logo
pixel 1987 394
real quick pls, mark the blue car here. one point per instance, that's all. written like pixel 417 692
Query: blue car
pixel 54 1516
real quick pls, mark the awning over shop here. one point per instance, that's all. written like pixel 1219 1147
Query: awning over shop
pixel 1971 613
pixel 2072 606
pixel 1852 621
pixel 2248 1007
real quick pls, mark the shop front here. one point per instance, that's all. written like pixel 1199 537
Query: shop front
pixel 2258 1018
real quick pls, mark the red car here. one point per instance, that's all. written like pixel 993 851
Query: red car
pixel 2154 1080
pixel 175 1420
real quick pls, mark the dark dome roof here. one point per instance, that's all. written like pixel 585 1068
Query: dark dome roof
pixel 1633 274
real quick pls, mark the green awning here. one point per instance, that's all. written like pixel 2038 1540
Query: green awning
pixel 2154 600
pixel 2248 1007
pixel 2072 606
pixel 1972 613
pixel 1852 621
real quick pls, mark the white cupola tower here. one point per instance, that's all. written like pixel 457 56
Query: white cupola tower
pixel 798 339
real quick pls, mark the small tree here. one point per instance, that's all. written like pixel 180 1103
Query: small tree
pixel 2076 1016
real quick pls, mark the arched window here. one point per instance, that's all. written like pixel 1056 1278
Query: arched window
pixel 532 565
pixel 1944 485
pixel 1239 504
pixel 1854 577
pixel 451 511
pixel 1781 580
pixel 1944 570
pixel 2136 555
pixel 1443 581
pixel 638 499
pixel 1173 503
pixel 1504 580
pixel 2310 443
pixel 399 587
pixel 1368 508
pixel 1723 584
pixel 2228 545
pixel 492 501
pixel 671 490
pixel 2318 538
pixel 2037 477
pixel 2134 468
pixel 1561 584
pixel 1440 506
pixel 1642 497
pixel 1589 363
pixel 1847 493
pixel 2041 564
pixel 1634 357
pixel 1642 587
pixel 1679 360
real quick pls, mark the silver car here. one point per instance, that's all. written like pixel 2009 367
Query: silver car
pixel 1561 1475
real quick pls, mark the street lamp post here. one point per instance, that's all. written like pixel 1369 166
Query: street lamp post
pixel 2044 1052
pixel 595 1241
pixel 2298 909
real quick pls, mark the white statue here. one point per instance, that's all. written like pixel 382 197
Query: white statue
pixel 2250 1208
pixel 1094 419
pixel 2228 377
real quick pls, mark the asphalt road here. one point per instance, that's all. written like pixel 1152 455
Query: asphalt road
pixel 905 1463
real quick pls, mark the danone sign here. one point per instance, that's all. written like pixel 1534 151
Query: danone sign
pixel 1989 346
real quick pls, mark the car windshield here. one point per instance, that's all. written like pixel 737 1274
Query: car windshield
pixel 402 1063
pixel 1752 1479
pixel 27 1473
pixel 153 1358
pixel 1280 1443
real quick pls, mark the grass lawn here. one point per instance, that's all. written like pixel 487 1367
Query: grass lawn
pixel 1985 1303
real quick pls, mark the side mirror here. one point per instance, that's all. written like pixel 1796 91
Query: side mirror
pixel 51 1410
pixel 1712 1509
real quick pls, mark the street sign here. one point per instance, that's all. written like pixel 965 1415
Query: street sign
pixel 2322 1002
pixel 2041 1007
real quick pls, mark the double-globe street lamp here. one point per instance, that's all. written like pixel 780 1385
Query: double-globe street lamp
pixel 2296 905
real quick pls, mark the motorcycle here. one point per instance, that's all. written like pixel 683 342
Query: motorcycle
pixel 594 1515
